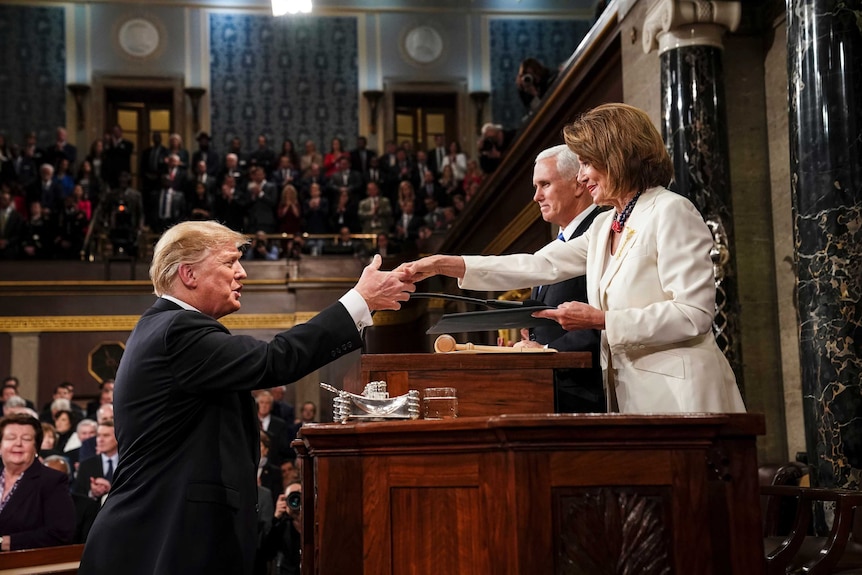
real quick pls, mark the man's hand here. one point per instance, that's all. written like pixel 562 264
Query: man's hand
pixel 280 506
pixel 452 266
pixel 575 315
pixel 383 290
pixel 99 486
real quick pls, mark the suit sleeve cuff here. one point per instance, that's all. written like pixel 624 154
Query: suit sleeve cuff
pixel 357 308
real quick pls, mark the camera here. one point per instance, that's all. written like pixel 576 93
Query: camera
pixel 527 78
pixel 294 500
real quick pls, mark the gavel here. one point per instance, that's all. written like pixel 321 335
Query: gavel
pixel 446 343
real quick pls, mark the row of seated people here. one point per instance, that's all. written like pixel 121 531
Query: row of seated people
pixel 247 194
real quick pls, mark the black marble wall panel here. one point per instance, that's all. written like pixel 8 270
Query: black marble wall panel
pixel 824 46
pixel 695 131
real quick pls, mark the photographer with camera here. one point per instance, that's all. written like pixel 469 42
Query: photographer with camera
pixel 284 540
pixel 533 81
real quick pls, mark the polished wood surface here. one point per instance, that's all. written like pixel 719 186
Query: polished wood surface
pixel 56 560
pixel 487 384
pixel 536 494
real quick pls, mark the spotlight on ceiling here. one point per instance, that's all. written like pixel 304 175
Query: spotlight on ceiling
pixel 282 7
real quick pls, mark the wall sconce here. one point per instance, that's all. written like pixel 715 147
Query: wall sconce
pixel 479 101
pixel 195 95
pixel 79 91
pixel 373 97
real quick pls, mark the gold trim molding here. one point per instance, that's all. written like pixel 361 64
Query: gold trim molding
pixel 96 323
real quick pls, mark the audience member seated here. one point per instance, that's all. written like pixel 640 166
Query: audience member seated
pixel 86 509
pixel 345 214
pixel 106 395
pixel 12 228
pixel 268 473
pixel 333 156
pixel 281 408
pixel 48 445
pixel 315 216
pixel 64 391
pixel 263 157
pixel 375 211
pixel 289 211
pixel 262 249
pixel 344 244
pixel 492 146
pixel 277 429
pixel 64 426
pixel 261 201
pixel 345 178
pixel 473 176
pixel 310 156
pixel 85 429
pixel 88 446
pixel 12 381
pixel 95 474
pixel 457 160
pixel 307 414
pixel 36 509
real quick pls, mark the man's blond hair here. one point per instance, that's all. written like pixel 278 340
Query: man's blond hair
pixel 187 243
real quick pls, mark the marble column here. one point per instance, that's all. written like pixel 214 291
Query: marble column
pixel 824 47
pixel 688 36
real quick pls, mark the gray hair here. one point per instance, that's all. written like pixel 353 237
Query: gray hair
pixel 85 423
pixel 61 404
pixel 567 161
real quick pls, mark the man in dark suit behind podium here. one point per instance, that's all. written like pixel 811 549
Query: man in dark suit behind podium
pixel 566 203
pixel 184 495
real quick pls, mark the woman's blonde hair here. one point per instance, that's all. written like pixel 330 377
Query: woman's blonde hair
pixel 187 243
pixel 622 142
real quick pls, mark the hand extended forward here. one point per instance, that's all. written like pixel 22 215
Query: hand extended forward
pixel 452 266
pixel 383 290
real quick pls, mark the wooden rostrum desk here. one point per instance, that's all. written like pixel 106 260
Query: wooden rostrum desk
pixel 534 494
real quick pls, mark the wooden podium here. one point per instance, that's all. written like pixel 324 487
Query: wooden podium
pixel 523 494
pixel 487 383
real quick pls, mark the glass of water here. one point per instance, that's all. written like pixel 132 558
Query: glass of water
pixel 440 403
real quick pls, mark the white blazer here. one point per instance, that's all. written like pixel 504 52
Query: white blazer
pixel 658 292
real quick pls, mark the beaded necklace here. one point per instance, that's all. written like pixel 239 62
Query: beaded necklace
pixel 621 217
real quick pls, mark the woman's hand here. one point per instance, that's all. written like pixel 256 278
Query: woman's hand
pixel 575 315
pixel 452 266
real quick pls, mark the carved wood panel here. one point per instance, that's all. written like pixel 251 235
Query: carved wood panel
pixel 612 531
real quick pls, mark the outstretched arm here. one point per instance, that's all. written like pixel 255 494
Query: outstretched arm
pixel 452 266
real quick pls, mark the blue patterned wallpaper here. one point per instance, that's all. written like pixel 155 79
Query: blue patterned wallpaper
pixel 551 42
pixel 32 72
pixel 284 77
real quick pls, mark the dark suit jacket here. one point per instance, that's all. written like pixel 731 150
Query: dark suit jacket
pixel 279 432
pixel 589 382
pixel 184 495
pixel 40 513
pixel 270 477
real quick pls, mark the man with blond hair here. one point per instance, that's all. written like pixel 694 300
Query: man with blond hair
pixel 184 496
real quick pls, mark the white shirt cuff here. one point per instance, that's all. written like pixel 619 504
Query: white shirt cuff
pixel 357 308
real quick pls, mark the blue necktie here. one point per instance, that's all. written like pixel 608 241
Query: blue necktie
pixel 110 474
pixel 561 237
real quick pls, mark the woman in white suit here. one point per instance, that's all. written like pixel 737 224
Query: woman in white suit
pixel 650 282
